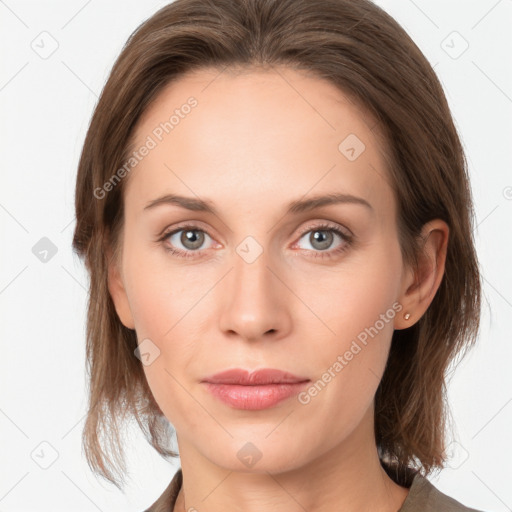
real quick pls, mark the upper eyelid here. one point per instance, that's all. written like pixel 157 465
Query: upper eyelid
pixel 326 225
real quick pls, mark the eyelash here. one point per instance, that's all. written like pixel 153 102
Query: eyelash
pixel 347 239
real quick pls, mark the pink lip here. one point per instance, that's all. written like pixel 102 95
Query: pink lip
pixel 257 390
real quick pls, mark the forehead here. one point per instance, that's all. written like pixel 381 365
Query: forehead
pixel 215 132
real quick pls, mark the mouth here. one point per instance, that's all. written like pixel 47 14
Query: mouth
pixel 258 390
pixel 258 377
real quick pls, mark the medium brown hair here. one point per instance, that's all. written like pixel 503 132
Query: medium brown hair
pixel 365 53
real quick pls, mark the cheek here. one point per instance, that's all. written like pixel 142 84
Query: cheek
pixel 353 297
pixel 166 304
pixel 167 315
pixel 359 307
pixel 163 311
pixel 159 294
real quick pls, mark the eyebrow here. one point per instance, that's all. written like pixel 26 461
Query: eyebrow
pixel 295 207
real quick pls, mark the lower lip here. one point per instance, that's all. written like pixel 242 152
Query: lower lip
pixel 254 397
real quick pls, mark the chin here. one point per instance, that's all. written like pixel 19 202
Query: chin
pixel 256 454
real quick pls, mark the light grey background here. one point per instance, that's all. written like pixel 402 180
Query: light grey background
pixel 46 103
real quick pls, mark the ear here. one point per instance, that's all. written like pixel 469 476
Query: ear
pixel 419 286
pixel 118 292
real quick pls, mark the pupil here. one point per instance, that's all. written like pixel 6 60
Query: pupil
pixel 193 238
pixel 323 238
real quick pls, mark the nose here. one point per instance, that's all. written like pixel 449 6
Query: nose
pixel 254 301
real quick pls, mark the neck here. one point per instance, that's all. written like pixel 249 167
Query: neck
pixel 346 477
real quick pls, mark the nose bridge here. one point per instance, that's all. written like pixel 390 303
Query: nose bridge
pixel 254 302
pixel 251 273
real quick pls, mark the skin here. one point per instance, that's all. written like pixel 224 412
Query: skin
pixel 255 142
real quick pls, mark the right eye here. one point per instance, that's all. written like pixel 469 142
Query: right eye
pixel 190 237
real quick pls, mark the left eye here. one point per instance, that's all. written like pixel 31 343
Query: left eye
pixel 321 238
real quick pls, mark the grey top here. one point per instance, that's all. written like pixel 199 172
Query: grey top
pixel 425 497
pixel 422 497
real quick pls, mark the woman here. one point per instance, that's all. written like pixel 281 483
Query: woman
pixel 273 205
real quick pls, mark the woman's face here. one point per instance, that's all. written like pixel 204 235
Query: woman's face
pixel 264 279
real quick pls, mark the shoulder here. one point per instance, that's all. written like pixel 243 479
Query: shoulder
pixel 165 502
pixel 425 497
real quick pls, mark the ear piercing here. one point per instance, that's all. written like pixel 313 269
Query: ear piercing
pixel 407 316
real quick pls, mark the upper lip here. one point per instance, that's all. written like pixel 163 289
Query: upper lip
pixel 257 377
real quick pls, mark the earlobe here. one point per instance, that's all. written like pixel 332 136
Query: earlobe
pixel 118 293
pixel 420 286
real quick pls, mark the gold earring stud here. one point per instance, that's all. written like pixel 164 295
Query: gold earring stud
pixel 407 316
